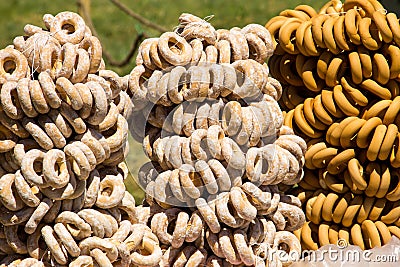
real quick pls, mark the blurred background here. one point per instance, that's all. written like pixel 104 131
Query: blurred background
pixel 122 24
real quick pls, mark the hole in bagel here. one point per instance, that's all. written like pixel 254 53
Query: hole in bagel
pixel 258 163
pixel 57 167
pixel 38 165
pixel 227 116
pixel 394 181
pixel 196 179
pixel 231 209
pixel 72 227
pixel 69 28
pixel 143 251
pixel 265 166
pixel 15 98
pixel 76 61
pixel 107 191
pixel 253 52
pixel 10 66
pixel 56 63
pixel 42 247
pixel 204 147
pixel 283 246
pixel 175 47
pixel 171 226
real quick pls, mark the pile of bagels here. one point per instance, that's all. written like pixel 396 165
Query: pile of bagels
pixel 340 74
pixel 64 130
pixel 219 154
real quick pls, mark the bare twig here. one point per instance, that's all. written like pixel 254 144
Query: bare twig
pixel 84 11
pixel 139 18
pixel 131 53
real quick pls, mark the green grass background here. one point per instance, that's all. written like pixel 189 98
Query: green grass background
pixel 117 30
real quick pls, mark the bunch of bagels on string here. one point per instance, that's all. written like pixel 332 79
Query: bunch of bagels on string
pixel 220 158
pixel 340 74
pixel 64 130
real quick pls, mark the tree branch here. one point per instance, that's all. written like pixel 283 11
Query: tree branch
pixel 131 53
pixel 84 11
pixel 139 18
